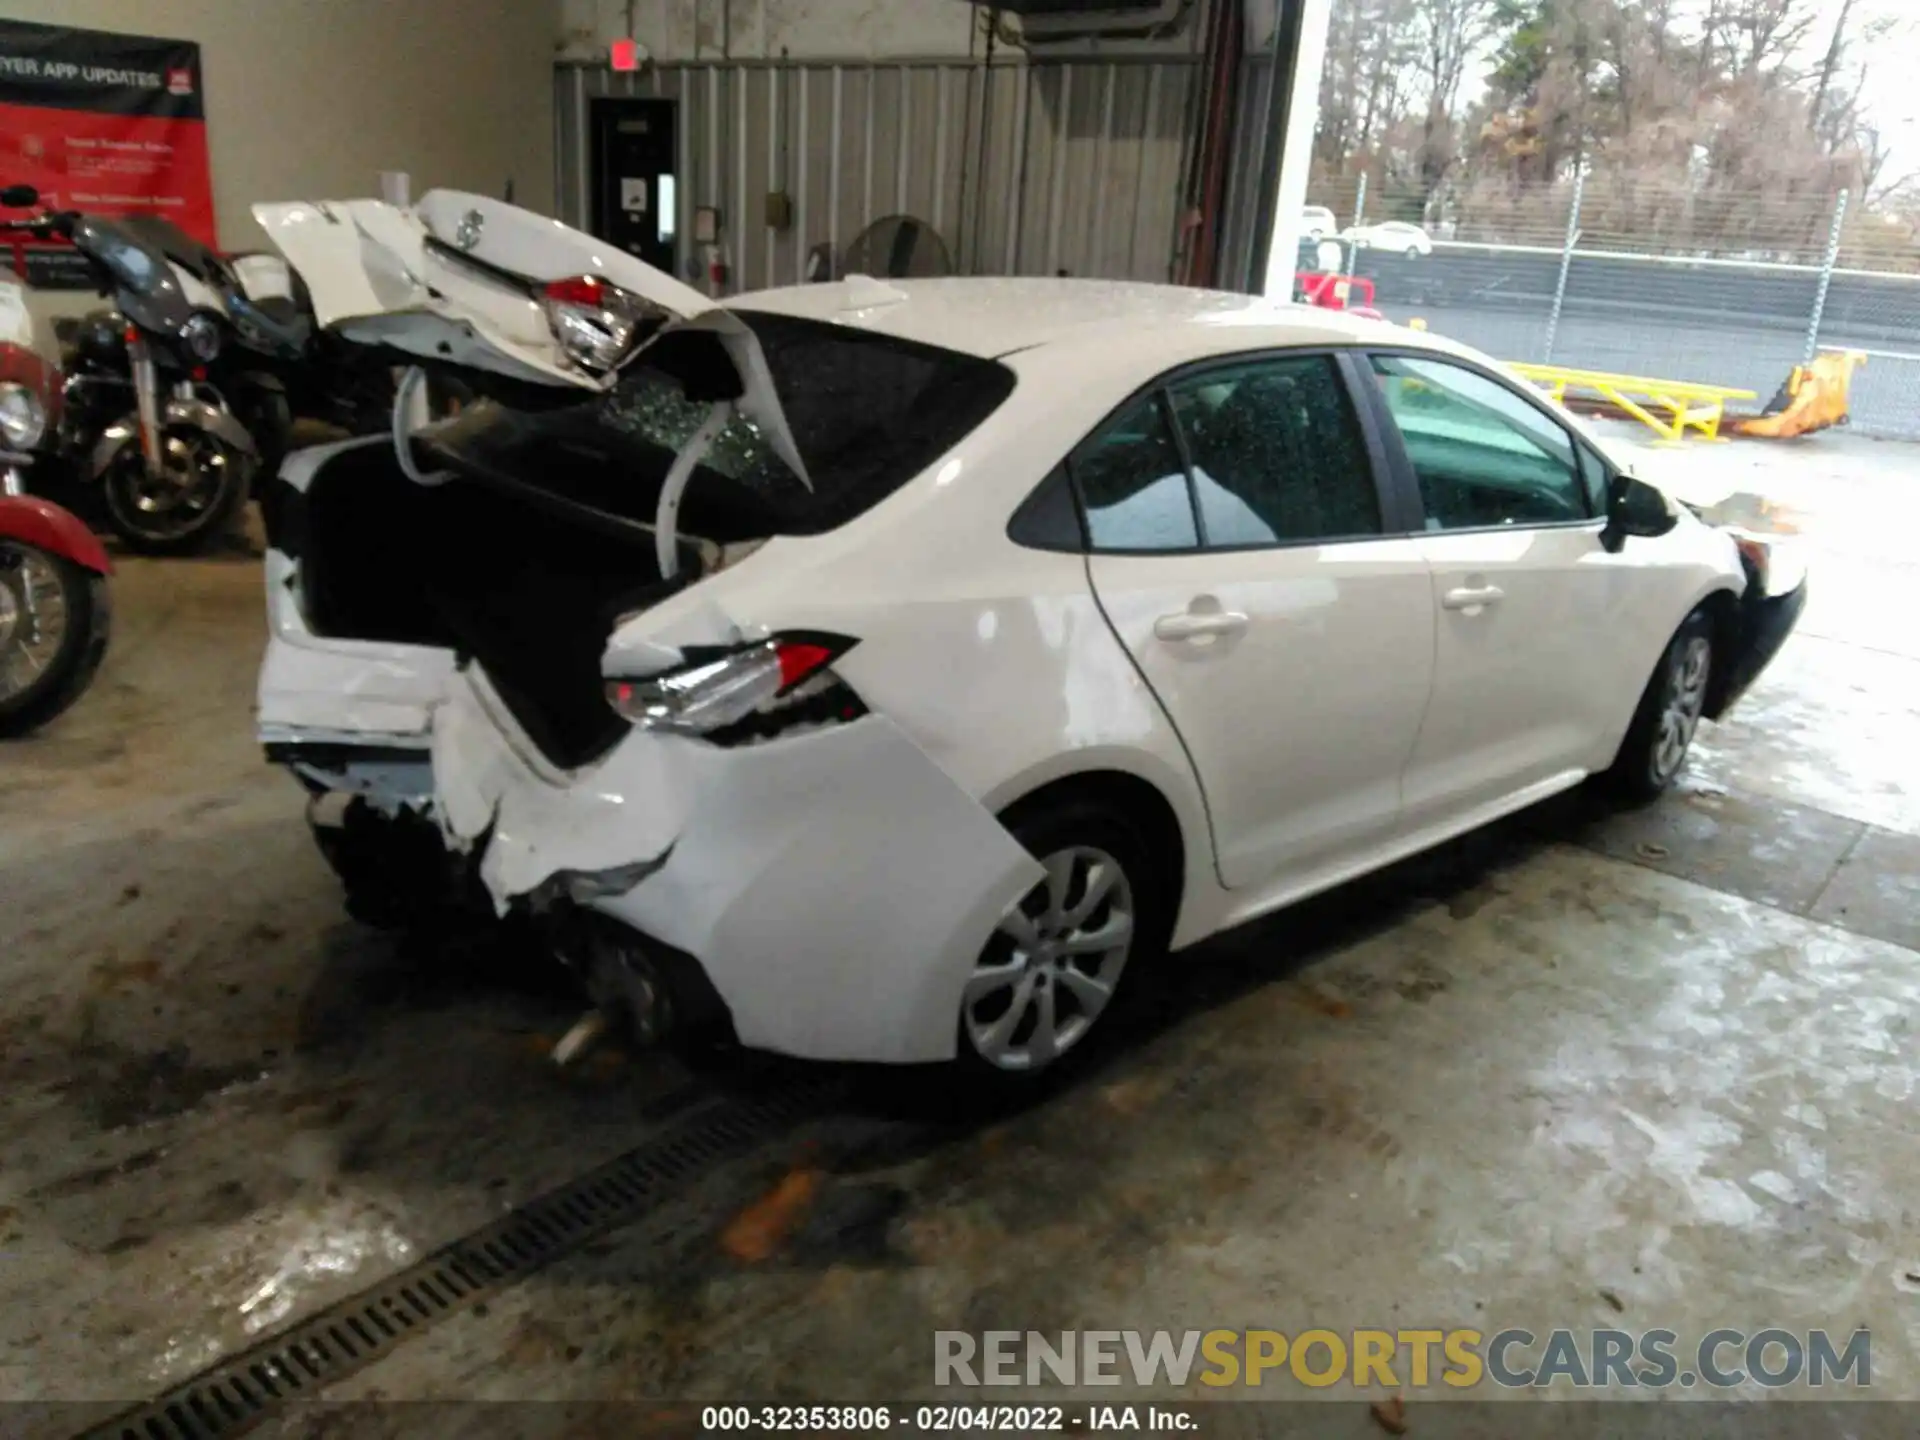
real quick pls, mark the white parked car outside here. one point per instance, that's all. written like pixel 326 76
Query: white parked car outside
pixel 1399 237
pixel 1317 222
pixel 1085 621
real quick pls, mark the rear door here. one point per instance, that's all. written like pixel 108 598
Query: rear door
pixel 1529 604
pixel 1246 552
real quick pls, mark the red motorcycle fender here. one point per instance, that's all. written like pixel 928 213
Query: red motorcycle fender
pixel 33 521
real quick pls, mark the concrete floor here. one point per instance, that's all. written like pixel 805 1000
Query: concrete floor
pixel 1642 1070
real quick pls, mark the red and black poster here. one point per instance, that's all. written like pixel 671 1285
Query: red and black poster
pixel 114 124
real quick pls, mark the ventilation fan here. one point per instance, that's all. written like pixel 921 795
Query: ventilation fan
pixel 895 248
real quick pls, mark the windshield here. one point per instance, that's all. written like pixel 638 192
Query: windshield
pixel 147 291
pixel 867 413
pixel 171 241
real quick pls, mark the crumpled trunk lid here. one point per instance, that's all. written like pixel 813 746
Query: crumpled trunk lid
pixel 379 274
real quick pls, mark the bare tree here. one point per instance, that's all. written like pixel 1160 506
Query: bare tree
pixel 1760 35
pixel 1368 88
pixel 1448 33
pixel 1709 126
pixel 1829 64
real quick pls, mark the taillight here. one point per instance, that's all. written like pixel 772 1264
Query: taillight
pixel 596 324
pixel 753 691
pixel 799 659
pixel 579 290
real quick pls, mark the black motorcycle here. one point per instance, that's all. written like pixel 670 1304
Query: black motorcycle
pixel 174 399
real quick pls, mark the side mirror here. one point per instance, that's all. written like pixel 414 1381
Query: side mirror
pixel 19 197
pixel 1634 508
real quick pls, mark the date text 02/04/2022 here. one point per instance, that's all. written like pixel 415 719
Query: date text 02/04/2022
pixel 943 1419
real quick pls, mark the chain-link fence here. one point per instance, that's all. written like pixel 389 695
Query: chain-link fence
pixel 1725 289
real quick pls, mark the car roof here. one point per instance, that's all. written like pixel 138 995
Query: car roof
pixel 997 316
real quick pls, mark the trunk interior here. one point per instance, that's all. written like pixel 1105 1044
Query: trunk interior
pixel 523 560
pixel 522 582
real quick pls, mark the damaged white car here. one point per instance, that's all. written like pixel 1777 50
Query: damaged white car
pixel 892 672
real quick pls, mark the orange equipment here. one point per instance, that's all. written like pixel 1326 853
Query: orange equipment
pixel 1814 397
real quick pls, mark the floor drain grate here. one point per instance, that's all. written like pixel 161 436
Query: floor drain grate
pixel 236 1393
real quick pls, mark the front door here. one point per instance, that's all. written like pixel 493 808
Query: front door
pixel 1529 604
pixel 1234 519
pixel 635 192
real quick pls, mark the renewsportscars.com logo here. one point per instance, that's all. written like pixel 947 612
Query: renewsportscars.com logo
pixel 1403 1359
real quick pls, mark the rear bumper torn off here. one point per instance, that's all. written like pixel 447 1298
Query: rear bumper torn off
pixel 835 885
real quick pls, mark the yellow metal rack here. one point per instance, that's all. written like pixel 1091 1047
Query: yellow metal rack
pixel 1687 405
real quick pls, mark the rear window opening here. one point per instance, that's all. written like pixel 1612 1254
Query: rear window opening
pixel 542 540
pixel 867 413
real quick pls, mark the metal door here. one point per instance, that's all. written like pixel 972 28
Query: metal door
pixel 634 185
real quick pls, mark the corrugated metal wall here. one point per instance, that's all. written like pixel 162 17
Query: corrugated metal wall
pixel 1239 267
pixel 1021 168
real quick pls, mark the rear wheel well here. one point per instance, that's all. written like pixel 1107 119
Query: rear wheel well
pixel 1136 801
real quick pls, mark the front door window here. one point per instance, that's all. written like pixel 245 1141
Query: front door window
pixel 1484 456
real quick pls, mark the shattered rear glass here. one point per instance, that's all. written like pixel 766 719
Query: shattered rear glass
pixel 867 413
pixel 654 410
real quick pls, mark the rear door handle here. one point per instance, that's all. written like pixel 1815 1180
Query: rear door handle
pixel 1472 597
pixel 1191 625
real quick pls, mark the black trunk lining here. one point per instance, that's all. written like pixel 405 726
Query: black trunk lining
pixel 527 589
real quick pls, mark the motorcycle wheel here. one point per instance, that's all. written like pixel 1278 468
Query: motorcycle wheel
pixel 54 619
pixel 203 480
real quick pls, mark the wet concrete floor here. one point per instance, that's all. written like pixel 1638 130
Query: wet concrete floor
pixel 1588 1069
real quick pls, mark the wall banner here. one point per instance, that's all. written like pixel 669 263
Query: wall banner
pixel 114 124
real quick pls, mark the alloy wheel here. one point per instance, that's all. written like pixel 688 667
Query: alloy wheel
pixel 1054 962
pixel 1686 697
pixel 191 477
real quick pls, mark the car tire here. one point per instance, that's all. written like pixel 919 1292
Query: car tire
pixel 1084 996
pixel 1656 744
pixel 1413 252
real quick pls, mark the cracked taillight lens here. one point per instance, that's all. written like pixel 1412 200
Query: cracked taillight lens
pixel 597 324
pixel 756 689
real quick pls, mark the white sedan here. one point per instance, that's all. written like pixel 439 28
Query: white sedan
pixel 1397 237
pixel 1043 627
